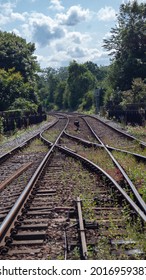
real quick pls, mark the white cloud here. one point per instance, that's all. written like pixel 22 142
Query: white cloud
pixel 18 16
pixel 83 54
pixel 4 19
pixel 61 52
pixel 7 14
pixel 44 34
pixel 74 15
pixel 56 42
pixel 7 8
pixel 56 5
pixel 40 18
pixel 77 37
pixel 42 29
pixel 106 14
pixel 76 52
pixel 57 59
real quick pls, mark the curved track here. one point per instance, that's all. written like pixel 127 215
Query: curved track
pixel 71 208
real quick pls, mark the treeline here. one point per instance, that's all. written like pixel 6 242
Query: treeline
pixel 72 87
pixel 126 80
pixel 24 86
pixel 18 68
pixel 19 100
pixel 120 86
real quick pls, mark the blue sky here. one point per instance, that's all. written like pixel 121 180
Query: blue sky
pixel 62 30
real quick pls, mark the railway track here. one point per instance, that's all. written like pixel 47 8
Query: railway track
pixel 16 169
pixel 74 209
pixel 115 137
pixel 131 162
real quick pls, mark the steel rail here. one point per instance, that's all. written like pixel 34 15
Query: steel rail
pixel 9 221
pixel 138 156
pixel 93 144
pixel 23 144
pixel 142 143
pixel 82 230
pixel 81 140
pixel 12 215
pixel 98 169
pixel 133 188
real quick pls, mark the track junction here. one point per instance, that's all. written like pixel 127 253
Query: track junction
pixel 66 195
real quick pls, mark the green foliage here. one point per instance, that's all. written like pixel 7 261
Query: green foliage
pixel 51 87
pixel 13 87
pixel 80 81
pixel 16 53
pixel 136 95
pixel 72 87
pixel 127 44
pixel 59 93
pixel 137 131
pixel 10 83
pixel 87 101
pixel 18 69
pixel 25 105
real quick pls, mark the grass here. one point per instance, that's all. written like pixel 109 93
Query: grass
pixel 83 183
pixel 137 131
pixel 36 146
pixel 135 170
pixel 97 156
pixel 133 232
pixel 4 138
pixel 51 135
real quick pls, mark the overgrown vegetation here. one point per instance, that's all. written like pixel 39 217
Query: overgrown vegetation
pixel 127 229
pixel 135 171
pixel 127 45
pixel 137 131
pixel 119 86
pixel 18 67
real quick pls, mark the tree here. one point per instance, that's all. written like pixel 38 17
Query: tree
pixel 10 84
pixel 12 87
pixel 127 44
pixel 24 104
pixel 136 95
pixel 70 87
pixel 98 72
pixel 16 53
pixel 18 68
pixel 80 81
pixel 59 94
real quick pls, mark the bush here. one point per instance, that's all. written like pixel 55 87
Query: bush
pixel 24 105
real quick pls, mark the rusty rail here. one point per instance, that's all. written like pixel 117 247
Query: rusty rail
pixel 133 188
pixel 94 167
pixel 82 230
pixel 12 215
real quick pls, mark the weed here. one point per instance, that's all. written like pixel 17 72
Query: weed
pixel 135 171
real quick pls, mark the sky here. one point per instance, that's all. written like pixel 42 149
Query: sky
pixel 62 30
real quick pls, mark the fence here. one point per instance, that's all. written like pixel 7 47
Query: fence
pixel 13 120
